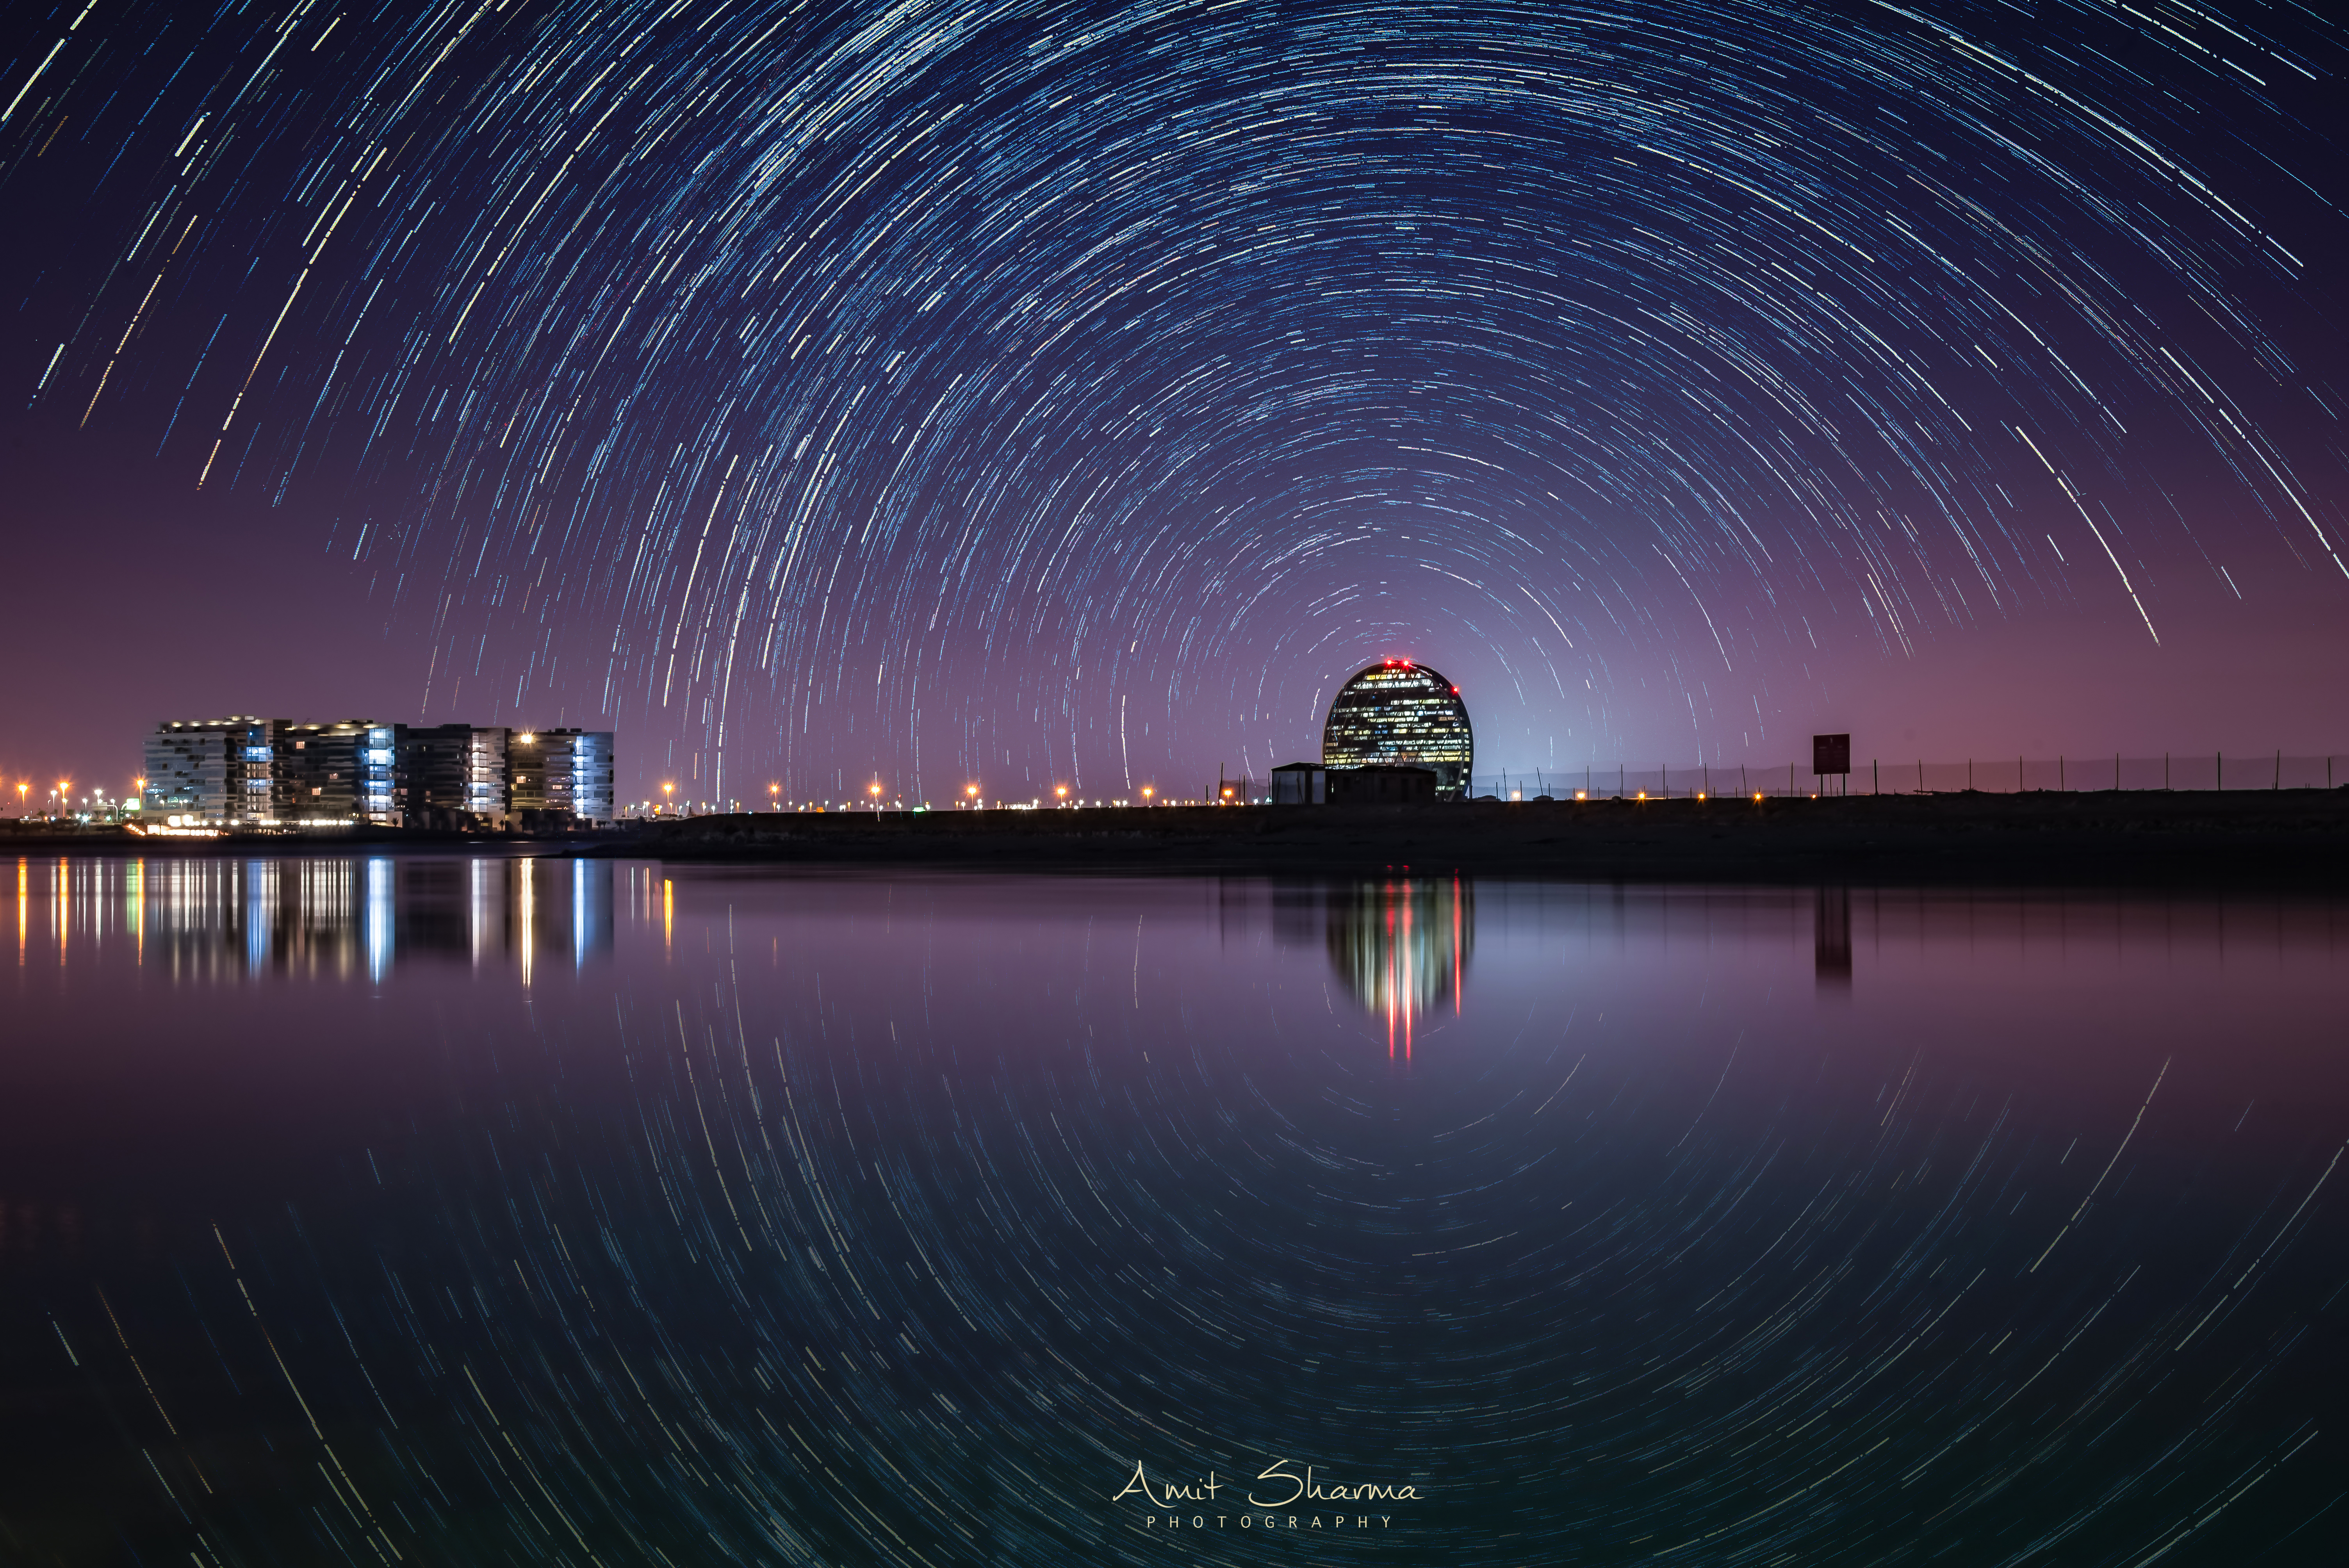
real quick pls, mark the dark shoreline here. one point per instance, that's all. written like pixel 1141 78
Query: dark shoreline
pixel 2280 840
pixel 2287 839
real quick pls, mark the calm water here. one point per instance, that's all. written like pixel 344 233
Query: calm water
pixel 472 1211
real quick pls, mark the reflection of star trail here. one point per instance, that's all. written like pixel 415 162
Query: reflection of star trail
pixel 891 1220
pixel 1034 388
pixel 1402 947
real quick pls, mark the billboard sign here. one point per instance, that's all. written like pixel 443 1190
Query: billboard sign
pixel 1830 753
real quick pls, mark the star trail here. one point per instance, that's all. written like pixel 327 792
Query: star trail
pixel 1041 391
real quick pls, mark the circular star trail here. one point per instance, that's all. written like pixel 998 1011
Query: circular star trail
pixel 1038 392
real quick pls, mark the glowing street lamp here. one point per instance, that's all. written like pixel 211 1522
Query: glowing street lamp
pixel 1062 791
pixel 774 797
pixel 873 788
pixel 669 793
pixel 972 791
pixel 1146 793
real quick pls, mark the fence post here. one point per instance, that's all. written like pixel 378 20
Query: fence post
pixel 2061 787
pixel 2278 774
pixel 1875 779
pixel 2220 762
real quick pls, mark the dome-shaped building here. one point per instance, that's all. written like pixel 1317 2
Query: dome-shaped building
pixel 1399 713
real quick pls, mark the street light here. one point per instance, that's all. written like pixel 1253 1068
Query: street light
pixel 1062 791
pixel 874 791
pixel 668 792
pixel 972 791
pixel 774 794
pixel 1146 793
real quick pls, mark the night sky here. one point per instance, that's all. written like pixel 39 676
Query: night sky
pixel 1035 393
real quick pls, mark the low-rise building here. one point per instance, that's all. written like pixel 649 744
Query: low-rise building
pixel 275 772
pixel 195 768
pixel 560 773
pixel 1313 784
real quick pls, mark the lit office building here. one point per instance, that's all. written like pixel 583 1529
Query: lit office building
pixel 567 772
pixel 196 768
pixel 436 776
pixel 489 789
pixel 1399 713
pixel 313 769
pixel 272 772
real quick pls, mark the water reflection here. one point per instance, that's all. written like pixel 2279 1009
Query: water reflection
pixel 1832 960
pixel 894 1219
pixel 1401 947
pixel 335 917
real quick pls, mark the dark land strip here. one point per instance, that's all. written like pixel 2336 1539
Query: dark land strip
pixel 2282 839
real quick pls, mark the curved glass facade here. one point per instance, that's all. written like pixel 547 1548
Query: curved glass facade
pixel 1399 713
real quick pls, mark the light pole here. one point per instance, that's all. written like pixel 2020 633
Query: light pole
pixel 1062 791
pixel 669 793
pixel 874 791
pixel 1146 792
pixel 774 797
pixel 971 790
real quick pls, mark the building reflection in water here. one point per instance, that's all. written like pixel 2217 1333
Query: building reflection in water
pixel 1401 944
pixel 335 917
pixel 1831 926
